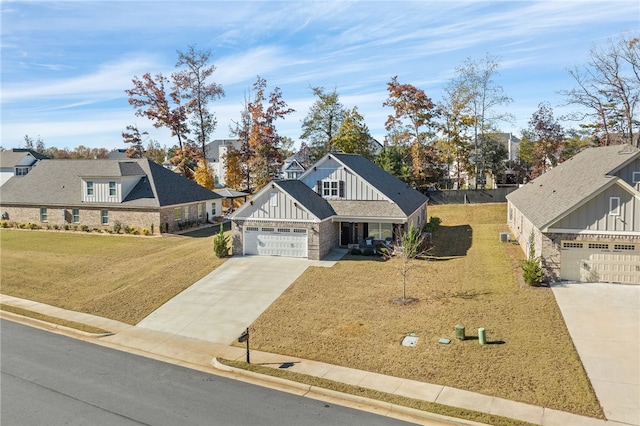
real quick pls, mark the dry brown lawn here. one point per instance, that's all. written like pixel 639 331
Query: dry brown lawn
pixel 345 315
pixel 124 278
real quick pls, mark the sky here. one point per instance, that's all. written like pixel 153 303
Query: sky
pixel 65 65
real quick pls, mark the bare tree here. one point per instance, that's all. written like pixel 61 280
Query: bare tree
pixel 608 86
pixel 475 85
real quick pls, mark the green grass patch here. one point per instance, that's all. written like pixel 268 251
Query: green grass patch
pixel 417 404
pixel 114 276
pixel 52 320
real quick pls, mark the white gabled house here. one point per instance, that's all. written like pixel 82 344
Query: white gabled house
pixel 342 200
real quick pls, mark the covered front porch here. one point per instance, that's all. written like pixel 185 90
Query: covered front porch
pixel 369 234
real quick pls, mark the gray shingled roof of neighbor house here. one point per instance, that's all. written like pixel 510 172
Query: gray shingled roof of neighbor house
pixel 59 182
pixel 12 158
pixel 399 192
pixel 313 202
pixel 559 190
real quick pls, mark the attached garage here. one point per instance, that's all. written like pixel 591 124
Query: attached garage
pixel 600 262
pixel 270 241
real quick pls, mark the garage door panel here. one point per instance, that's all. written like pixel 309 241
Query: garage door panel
pixel 275 242
pixel 600 262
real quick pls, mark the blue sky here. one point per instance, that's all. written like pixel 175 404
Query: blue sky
pixel 66 64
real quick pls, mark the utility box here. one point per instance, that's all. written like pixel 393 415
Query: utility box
pixel 460 332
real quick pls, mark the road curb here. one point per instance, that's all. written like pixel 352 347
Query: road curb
pixel 45 325
pixel 379 407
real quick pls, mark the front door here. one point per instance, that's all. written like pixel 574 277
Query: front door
pixel 347 233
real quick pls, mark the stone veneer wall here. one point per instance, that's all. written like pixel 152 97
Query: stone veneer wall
pixel 92 217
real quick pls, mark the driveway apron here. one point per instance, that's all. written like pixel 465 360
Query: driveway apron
pixel 604 323
pixel 220 306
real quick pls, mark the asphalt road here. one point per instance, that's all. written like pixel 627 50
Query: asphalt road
pixel 52 379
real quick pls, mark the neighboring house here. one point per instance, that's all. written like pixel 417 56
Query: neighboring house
pixel 18 162
pixel 583 216
pixel 135 192
pixel 215 152
pixel 342 200
pixel 292 168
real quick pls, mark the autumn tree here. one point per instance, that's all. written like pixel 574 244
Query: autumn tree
pixel 203 174
pixel 196 89
pixel 151 100
pixel 136 138
pixel 260 140
pixel 412 125
pixel 235 172
pixel 608 87
pixel 353 137
pixel 543 141
pixel 155 152
pixel 476 86
pixel 186 159
pixel 322 122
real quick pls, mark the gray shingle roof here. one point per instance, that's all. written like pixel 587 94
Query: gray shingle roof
pixel 59 182
pixel 11 158
pixel 550 196
pixel 407 198
pixel 313 202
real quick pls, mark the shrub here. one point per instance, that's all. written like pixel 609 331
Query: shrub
pixel 220 244
pixel 22 225
pixel 65 227
pixel 368 252
pixel 117 226
pixel 432 226
pixel 531 267
pixel 356 251
pixel 127 229
pixel 145 232
pixel 75 227
pixel 85 228
pixel 33 226
pixel 4 224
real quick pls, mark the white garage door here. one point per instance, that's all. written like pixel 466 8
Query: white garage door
pixel 264 241
pixel 600 262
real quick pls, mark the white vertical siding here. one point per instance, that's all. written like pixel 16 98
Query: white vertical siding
pixel 281 206
pixel 355 187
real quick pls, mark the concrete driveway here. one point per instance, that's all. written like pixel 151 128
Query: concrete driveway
pixel 604 323
pixel 220 306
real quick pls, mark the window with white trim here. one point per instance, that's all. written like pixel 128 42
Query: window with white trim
pixel 213 209
pixel 43 214
pixel 199 211
pixel 330 188
pixel 89 187
pixel 22 171
pixel 104 215
pixel 112 189
pixel 273 199
pixel 380 231
pixel 635 177
pixel 185 214
pixel 177 213
pixel 75 213
pixel 614 206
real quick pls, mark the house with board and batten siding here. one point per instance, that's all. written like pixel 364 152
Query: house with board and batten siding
pixel 583 216
pixel 98 193
pixel 340 201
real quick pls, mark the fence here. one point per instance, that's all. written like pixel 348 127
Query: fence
pixel 469 196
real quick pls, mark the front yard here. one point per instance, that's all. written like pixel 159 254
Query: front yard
pixel 343 315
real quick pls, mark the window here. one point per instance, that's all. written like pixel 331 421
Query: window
pixel 200 211
pixel 76 215
pixel 213 209
pixel 89 188
pixel 112 189
pixel 624 247
pixel 330 188
pixel 43 214
pixel 636 177
pixel 380 231
pixel 21 171
pixel 599 246
pixel 572 245
pixel 185 214
pixel 614 206
pixel 177 213
pixel 273 199
pixel 104 214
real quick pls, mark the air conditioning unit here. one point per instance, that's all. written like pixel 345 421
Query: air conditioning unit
pixel 505 237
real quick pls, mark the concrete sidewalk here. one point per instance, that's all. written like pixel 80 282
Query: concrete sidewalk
pixel 199 354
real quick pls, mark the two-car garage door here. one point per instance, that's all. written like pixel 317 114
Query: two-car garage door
pixel 600 262
pixel 269 241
